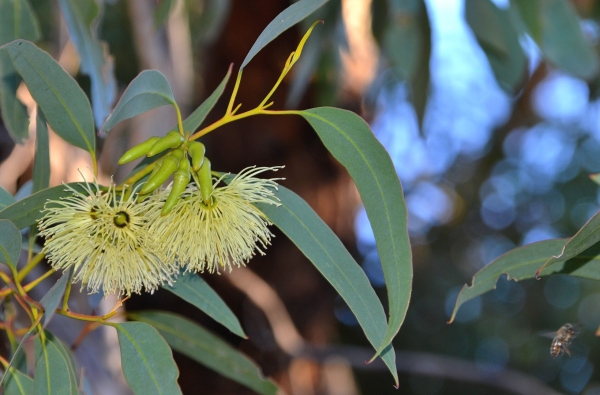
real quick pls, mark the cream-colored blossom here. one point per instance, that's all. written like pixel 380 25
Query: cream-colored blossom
pixel 104 237
pixel 228 231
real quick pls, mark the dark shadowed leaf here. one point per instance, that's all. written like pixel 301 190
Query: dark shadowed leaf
pixel 41 162
pixel 54 368
pixel 14 113
pixel 52 299
pixel 17 20
pixel 197 343
pixel 10 243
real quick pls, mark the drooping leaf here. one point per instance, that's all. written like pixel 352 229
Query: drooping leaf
pixel 17 20
pixel 286 19
pixel 193 289
pixel 10 243
pixel 14 113
pixel 52 299
pixel 149 90
pixel 26 212
pixel 324 249
pixel 6 199
pixel 523 262
pixel 199 344
pixel 54 368
pixel 17 383
pixel 555 27
pixel 350 140
pixel 500 42
pixel 192 122
pixel 147 360
pixel 41 162
pixel 95 60
pixel 64 104
pixel 585 237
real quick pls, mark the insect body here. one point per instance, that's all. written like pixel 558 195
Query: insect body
pixel 562 340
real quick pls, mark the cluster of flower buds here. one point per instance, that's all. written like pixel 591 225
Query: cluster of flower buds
pixel 176 164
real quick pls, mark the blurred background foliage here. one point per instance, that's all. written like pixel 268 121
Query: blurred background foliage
pixel 490 112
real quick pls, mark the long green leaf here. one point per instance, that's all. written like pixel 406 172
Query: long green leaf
pixel 149 90
pixel 197 343
pixel 10 243
pixel 350 140
pixel 17 383
pixel 51 300
pixel 26 212
pixel 147 360
pixel 54 368
pixel 324 249
pixel 523 262
pixel 192 122
pixel 17 20
pixel 286 19
pixel 95 61
pixel 585 237
pixel 193 289
pixel 6 199
pixel 14 113
pixel 41 162
pixel 64 104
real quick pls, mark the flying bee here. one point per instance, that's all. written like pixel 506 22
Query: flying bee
pixel 562 340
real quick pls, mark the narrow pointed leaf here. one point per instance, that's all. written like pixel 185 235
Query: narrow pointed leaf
pixel 41 162
pixel 26 212
pixel 14 113
pixel 17 20
pixel 64 104
pixel 52 299
pixel 17 383
pixel 191 123
pixel 192 340
pixel 10 243
pixel 149 90
pixel 523 262
pixel 95 61
pixel 147 360
pixel 54 368
pixel 351 141
pixel 324 249
pixel 193 289
pixel 286 19
pixel 585 237
pixel 6 199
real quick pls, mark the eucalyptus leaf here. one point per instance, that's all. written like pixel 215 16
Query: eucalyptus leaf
pixel 149 90
pixel 350 140
pixel 14 113
pixel 6 199
pixel 54 367
pixel 10 243
pixel 95 60
pixel 27 211
pixel 202 346
pixel 64 104
pixel 523 262
pixel 147 360
pixel 194 290
pixel 286 19
pixel 17 383
pixel 53 297
pixel 41 162
pixel 17 20
pixel 324 249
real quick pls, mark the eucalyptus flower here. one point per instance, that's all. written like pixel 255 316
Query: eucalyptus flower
pixel 225 232
pixel 104 237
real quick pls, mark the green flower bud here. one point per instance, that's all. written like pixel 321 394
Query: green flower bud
pixel 169 165
pixel 196 151
pixel 138 151
pixel 205 178
pixel 180 182
pixel 171 140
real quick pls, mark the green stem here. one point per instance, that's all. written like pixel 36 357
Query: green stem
pixel 34 283
pixel 234 94
pixel 30 265
pixel 65 305
pixel 179 122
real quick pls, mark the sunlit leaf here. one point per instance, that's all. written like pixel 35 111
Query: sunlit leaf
pixel 6 199
pixel 556 28
pixel 197 343
pixel 64 104
pixel 324 249
pixel 26 212
pixel 95 60
pixel 351 141
pixel 17 383
pixel 54 368
pixel 147 360
pixel 53 297
pixel 191 123
pixel 41 162
pixel 10 243
pixel 149 90
pixel 286 19
pixel 193 289
pixel 523 262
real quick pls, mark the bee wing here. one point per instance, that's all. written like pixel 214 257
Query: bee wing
pixel 548 334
